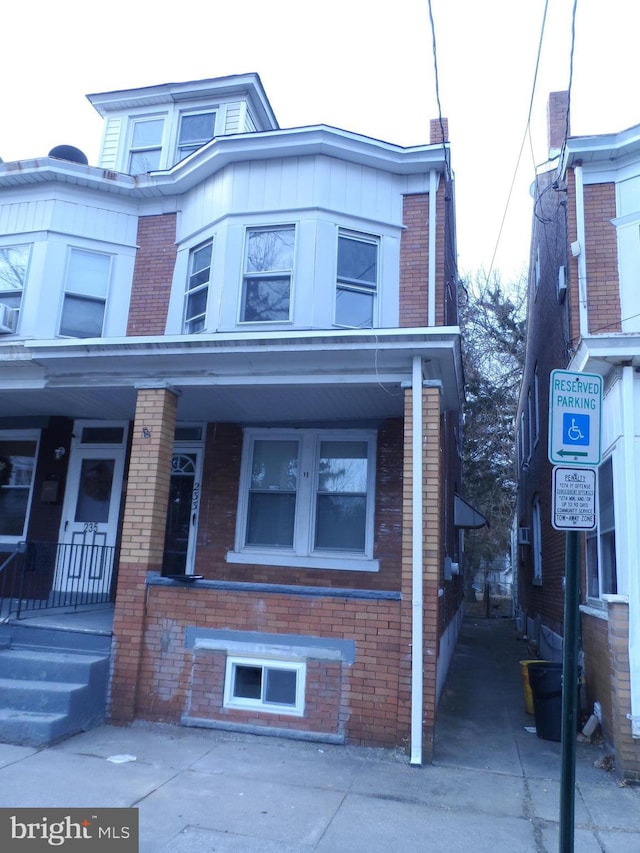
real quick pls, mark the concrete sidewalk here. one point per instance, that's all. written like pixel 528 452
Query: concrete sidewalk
pixel 493 786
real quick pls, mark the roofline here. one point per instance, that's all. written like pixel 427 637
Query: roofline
pixel 600 148
pixel 164 93
pixel 226 150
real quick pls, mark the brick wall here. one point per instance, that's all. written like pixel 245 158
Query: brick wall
pixel 414 261
pixel 603 286
pixel 359 701
pixel 152 275
pixel 218 507
pixel 627 748
pixel 595 642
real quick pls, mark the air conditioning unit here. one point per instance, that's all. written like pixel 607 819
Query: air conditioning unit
pixel 524 536
pixel 8 319
pixel 562 283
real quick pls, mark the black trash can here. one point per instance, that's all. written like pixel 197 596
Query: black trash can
pixel 545 678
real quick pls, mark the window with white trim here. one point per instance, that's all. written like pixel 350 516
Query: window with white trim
pixel 146 145
pixel 268 273
pixel 195 308
pixel 357 279
pixel 275 686
pixel 536 541
pixel 18 453
pixel 14 261
pixel 85 296
pixel 196 129
pixel 602 576
pixel 307 493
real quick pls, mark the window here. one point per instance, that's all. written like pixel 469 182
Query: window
pixel 13 272
pixel 357 280
pixel 196 130
pixel 536 542
pixel 266 288
pixel 536 405
pixel 601 542
pixel 146 146
pixel 268 685
pixel 17 469
pixel 86 286
pixel 195 309
pixel 308 493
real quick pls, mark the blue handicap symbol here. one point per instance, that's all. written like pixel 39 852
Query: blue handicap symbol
pixel 575 429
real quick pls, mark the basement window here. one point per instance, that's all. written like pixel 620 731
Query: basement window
pixel 274 686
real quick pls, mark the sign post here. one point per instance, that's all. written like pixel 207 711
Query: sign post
pixel 575 404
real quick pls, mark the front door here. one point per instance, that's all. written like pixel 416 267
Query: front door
pixel 182 512
pixel 86 550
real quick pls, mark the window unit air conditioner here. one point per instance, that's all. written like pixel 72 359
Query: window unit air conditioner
pixel 8 319
pixel 524 536
pixel 562 283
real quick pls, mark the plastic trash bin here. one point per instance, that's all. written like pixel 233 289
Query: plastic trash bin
pixel 526 686
pixel 545 678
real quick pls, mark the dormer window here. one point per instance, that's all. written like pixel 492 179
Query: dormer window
pixel 196 129
pixel 146 146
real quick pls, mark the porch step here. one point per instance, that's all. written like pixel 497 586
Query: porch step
pixel 47 694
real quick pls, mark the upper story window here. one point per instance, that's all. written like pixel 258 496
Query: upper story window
pixel 602 576
pixel 85 296
pixel 268 272
pixel 536 541
pixel 146 146
pixel 195 308
pixel 196 129
pixel 14 261
pixel 357 280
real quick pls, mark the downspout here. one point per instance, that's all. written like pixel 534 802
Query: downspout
pixel 582 258
pixel 417 627
pixel 431 304
pixel 631 509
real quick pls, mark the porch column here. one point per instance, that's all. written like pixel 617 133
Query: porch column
pixel 420 618
pixel 143 532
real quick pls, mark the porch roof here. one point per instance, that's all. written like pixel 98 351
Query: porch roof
pixel 273 377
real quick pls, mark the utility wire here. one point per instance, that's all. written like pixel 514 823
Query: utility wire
pixel 524 139
pixel 437 84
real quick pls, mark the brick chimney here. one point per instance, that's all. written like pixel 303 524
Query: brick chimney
pixel 557 120
pixel 438 128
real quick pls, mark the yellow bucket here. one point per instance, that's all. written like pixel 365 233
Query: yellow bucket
pixel 528 694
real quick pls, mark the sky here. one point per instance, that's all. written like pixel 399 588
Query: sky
pixel 366 67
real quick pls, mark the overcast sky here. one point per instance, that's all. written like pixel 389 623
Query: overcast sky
pixel 364 66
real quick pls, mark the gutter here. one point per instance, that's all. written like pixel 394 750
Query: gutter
pixel 431 308
pixel 417 606
pixel 582 260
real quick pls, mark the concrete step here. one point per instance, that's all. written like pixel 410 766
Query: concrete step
pixel 47 694
pixel 39 636
pixel 33 728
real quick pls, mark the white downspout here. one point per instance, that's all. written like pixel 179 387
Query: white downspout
pixel 431 293
pixel 582 258
pixel 631 532
pixel 417 628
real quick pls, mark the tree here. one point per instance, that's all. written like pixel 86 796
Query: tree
pixel 492 320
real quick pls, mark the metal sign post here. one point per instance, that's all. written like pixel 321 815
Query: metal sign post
pixel 575 404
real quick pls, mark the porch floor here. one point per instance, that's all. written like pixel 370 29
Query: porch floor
pixel 90 618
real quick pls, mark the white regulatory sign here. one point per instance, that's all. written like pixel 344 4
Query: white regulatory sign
pixel 574 498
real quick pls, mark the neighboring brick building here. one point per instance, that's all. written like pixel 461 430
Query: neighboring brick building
pixel 583 316
pixel 230 365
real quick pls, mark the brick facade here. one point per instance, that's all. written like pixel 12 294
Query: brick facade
pixel 603 285
pixel 152 275
pixel 627 748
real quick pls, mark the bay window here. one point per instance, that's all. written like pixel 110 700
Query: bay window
pixel 307 497
pixel 13 273
pixel 197 291
pixel 86 286
pixel 357 280
pixel 268 271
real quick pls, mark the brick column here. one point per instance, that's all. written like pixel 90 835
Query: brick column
pixel 627 748
pixel 143 533
pixel 431 558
